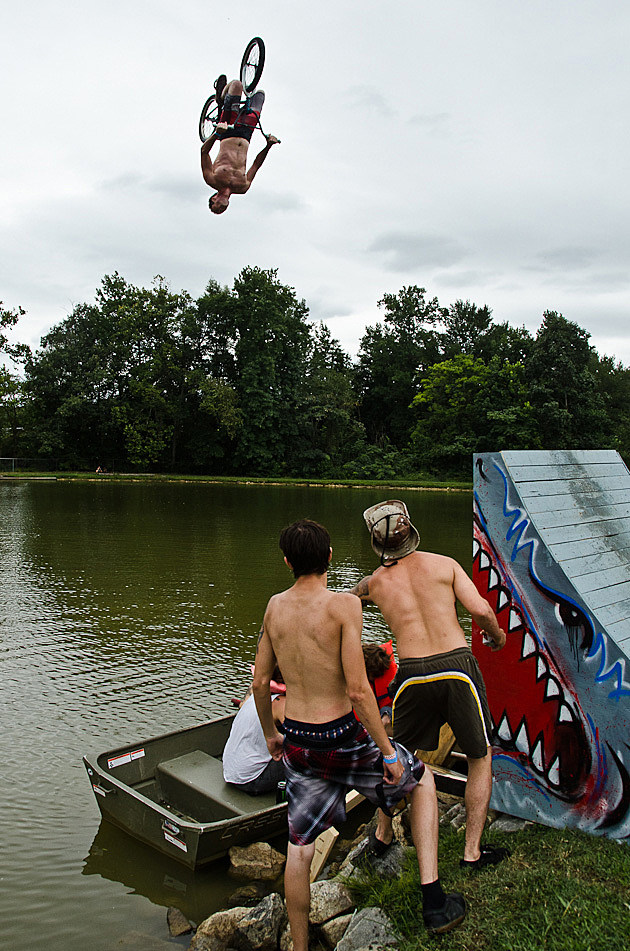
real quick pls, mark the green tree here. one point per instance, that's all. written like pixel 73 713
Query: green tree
pixel 465 406
pixel 11 399
pixel 392 359
pixel 570 409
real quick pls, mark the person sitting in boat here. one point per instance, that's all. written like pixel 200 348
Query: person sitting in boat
pixel 247 762
pixel 381 667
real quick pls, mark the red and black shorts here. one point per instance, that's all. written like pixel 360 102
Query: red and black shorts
pixel 242 117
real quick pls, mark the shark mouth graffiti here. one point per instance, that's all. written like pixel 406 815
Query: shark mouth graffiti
pixel 538 720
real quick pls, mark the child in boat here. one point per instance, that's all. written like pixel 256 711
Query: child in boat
pixel 247 762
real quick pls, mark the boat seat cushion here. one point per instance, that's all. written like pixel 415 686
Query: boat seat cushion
pixel 193 783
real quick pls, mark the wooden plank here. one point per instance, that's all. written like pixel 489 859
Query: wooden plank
pixel 554 503
pixel 575 487
pixel 324 844
pixel 612 594
pixel 528 473
pixel 590 547
pixel 604 528
pixel 610 614
pixel 449 781
pixel 595 561
pixel 603 579
pixel 325 841
pixel 445 745
pixel 620 632
pixel 544 457
pixel 571 513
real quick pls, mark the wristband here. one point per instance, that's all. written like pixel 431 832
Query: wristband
pixel 390 760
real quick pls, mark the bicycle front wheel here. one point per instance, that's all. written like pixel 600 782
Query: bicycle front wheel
pixel 252 64
pixel 208 118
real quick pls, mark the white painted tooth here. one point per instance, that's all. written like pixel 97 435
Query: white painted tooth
pixel 504 730
pixel 502 600
pixel 476 547
pixel 565 715
pixel 537 756
pixel 542 669
pixel 553 774
pixel 529 645
pixel 515 620
pixel 552 689
pixel 493 579
pixel 522 740
pixel 484 560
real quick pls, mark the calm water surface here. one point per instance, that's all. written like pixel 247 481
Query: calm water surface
pixel 127 611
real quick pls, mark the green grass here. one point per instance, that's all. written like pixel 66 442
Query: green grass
pixel 559 891
pixel 417 481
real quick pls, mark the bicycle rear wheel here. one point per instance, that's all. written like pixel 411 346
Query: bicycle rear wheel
pixel 208 118
pixel 252 64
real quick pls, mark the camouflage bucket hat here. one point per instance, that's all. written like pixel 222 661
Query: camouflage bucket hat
pixel 391 533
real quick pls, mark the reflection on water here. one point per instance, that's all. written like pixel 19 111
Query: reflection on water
pixel 127 611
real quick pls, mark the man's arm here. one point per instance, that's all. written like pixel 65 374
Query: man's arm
pixel 359 691
pixel 362 590
pixel 206 161
pixel 264 668
pixel 483 615
pixel 260 158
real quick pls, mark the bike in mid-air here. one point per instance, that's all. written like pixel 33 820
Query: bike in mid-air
pixel 252 65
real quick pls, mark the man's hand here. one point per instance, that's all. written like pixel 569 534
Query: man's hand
pixel 221 127
pixel 392 773
pixel 271 140
pixel 274 745
pixel 495 643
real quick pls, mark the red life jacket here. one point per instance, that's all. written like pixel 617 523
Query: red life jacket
pixel 380 684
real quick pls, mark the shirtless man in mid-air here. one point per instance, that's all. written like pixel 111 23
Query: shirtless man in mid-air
pixel 229 173
pixel 438 680
pixel 315 637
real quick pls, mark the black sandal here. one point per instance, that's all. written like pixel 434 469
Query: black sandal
pixel 490 855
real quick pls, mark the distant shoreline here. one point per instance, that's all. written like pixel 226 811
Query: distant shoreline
pixel 420 484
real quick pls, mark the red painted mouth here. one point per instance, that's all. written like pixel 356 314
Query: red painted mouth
pixel 537 718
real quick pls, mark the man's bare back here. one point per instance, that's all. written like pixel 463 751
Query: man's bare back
pixel 322 618
pixel 417 597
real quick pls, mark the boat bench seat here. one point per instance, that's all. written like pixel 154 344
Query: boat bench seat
pixel 193 783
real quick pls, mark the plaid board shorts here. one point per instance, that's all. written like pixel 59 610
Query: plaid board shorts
pixel 322 761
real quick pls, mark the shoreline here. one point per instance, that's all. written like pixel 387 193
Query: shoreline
pixel 408 485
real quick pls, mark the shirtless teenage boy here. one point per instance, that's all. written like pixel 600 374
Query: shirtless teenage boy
pixel 314 635
pixel 438 680
pixel 228 173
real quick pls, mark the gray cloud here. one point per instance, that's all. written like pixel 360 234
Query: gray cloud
pixel 405 251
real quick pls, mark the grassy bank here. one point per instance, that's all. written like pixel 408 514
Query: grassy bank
pixel 559 891
pixel 417 481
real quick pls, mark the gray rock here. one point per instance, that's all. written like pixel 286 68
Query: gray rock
pixel 216 932
pixel 333 931
pixel 260 928
pixel 387 866
pixel 509 824
pixel 258 861
pixel 329 899
pixel 178 923
pixel 286 941
pixel 248 896
pixel 370 926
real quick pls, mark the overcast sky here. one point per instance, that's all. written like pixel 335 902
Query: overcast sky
pixel 477 148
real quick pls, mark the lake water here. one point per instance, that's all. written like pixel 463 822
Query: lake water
pixel 126 611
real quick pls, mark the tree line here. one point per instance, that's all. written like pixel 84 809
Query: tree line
pixel 240 382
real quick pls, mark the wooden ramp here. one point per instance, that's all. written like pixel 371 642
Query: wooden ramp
pixel 552 556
